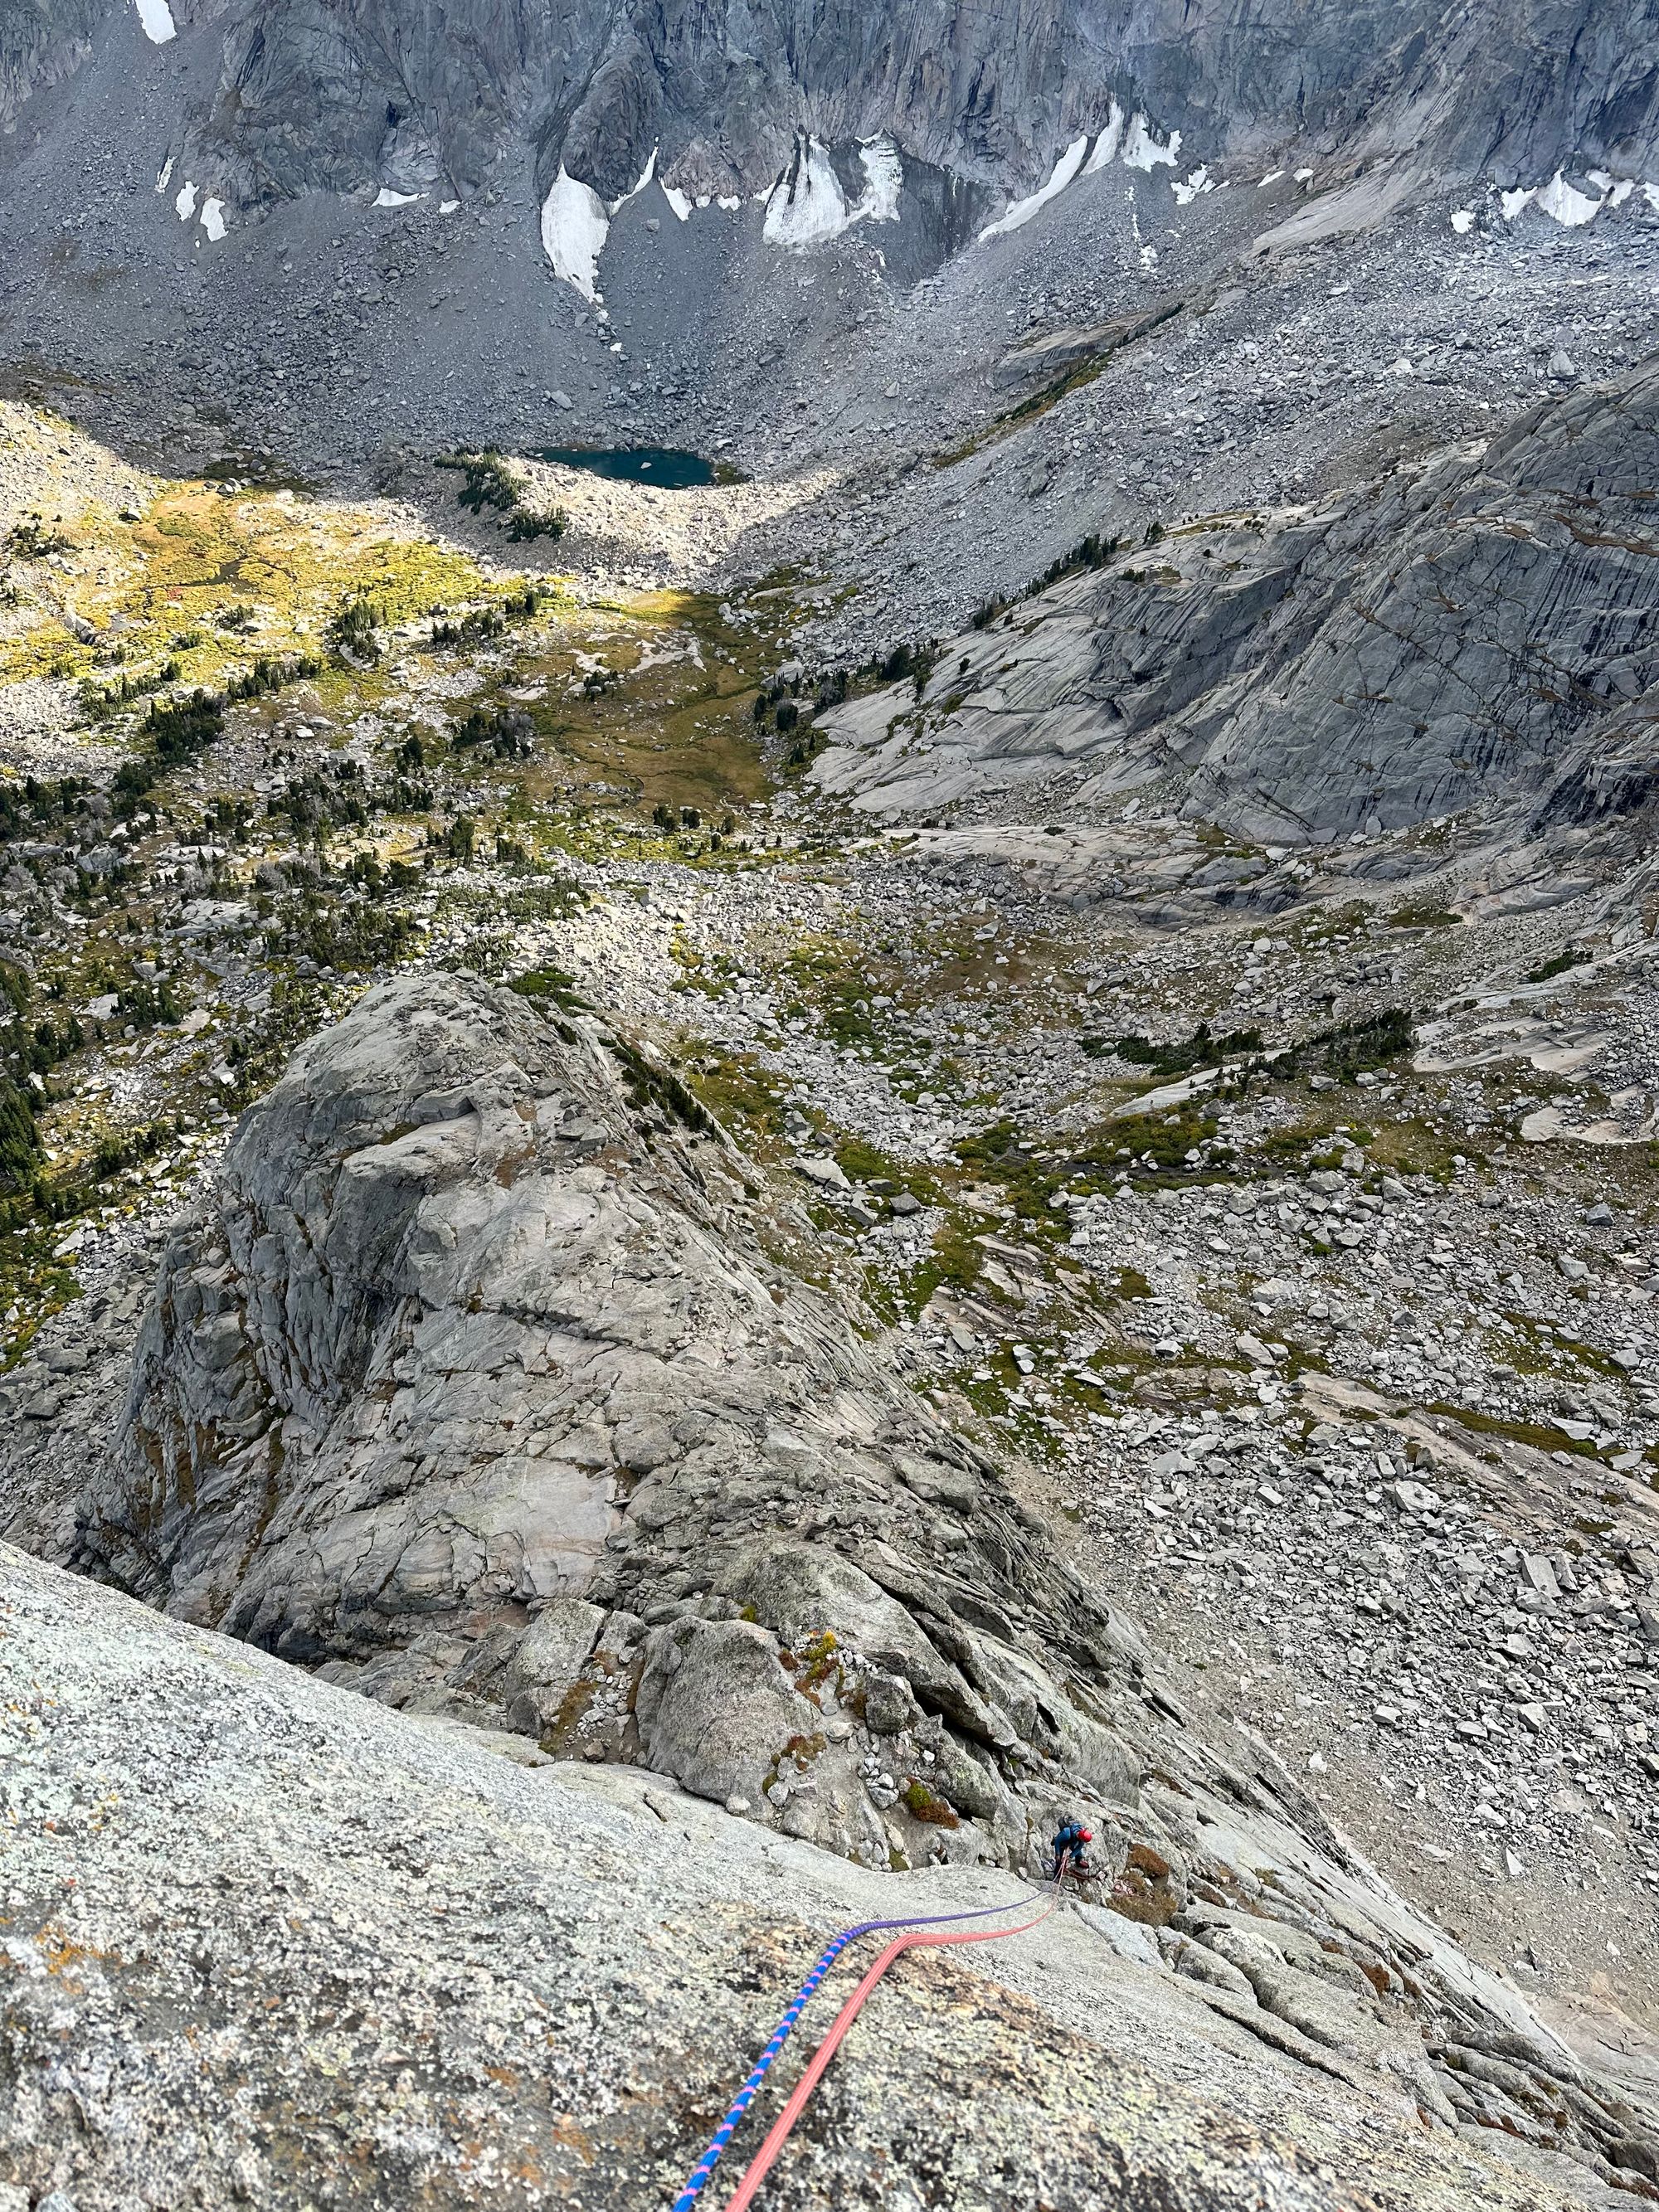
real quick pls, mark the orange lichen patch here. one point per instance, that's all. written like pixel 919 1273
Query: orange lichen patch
pixel 570 2137
pixel 63 1954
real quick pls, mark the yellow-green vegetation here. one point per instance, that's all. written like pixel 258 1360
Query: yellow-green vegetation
pixel 1539 1435
pixel 1424 913
pixel 866 1163
pixel 739 1093
pixel 650 702
pixel 1113 337
pixel 1535 1347
pixel 833 979
pixel 202 578
pixel 1415 1146
pixel 646 700
pixel 711 975
pixel 34 1286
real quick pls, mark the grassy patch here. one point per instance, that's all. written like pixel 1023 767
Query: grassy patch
pixel 1072 377
pixel 1423 913
pixel 1539 1436
pixel 1558 966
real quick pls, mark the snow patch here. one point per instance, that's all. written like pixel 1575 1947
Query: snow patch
pixel 213 219
pixel 883 174
pixel 1068 165
pixel 1137 145
pixel 1106 146
pixel 1143 149
pixel 184 205
pixel 447 207
pixel 730 201
pixel 806 204
pixel 156 17
pixel 1201 180
pixel 1463 220
pixel 1564 203
pixel 678 200
pixel 1569 208
pixel 650 171
pixel 166 171
pixel 1272 178
pixel 386 197
pixel 576 224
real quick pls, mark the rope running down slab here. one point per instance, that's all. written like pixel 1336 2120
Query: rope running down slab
pixel 761 2164
pixel 705 2167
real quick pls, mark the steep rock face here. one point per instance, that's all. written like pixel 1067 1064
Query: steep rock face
pixel 43 42
pixel 1449 633
pixel 470 1388
pixel 326 97
pixel 473 1388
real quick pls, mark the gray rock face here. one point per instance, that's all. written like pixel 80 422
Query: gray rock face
pixel 1475 626
pixel 268 1944
pixel 329 99
pixel 471 1389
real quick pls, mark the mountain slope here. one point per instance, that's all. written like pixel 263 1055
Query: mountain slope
pixel 1440 637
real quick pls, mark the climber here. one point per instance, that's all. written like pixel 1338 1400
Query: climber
pixel 1070 1842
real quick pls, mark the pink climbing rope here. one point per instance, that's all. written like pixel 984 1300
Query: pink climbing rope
pixel 705 2167
pixel 744 2196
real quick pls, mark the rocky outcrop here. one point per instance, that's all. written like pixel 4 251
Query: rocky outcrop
pixel 474 1389
pixel 42 46
pixel 1450 633
pixel 471 1390
pixel 269 1944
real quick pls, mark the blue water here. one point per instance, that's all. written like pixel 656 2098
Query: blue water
pixel 648 464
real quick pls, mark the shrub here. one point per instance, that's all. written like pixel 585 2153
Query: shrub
pixel 506 731
pixel 489 483
pixel 546 986
pixel 1352 1048
pixel 923 1805
pixel 32 540
pixel 20 1141
pixel 1200 1050
pixel 351 631
pixel 486 622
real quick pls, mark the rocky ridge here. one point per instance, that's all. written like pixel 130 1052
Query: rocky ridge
pixel 469 1331
pixel 1472 627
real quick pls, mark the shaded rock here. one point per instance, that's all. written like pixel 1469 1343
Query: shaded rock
pixel 715 1708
